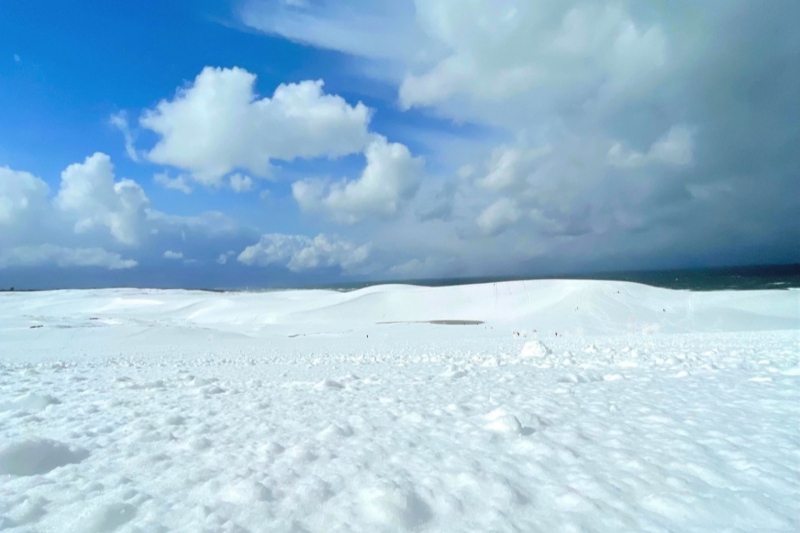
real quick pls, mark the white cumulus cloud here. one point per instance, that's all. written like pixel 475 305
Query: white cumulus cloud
pixel 22 195
pixel 219 124
pixel 675 148
pixel 89 193
pixel 298 252
pixel 179 183
pixel 495 50
pixel 470 57
pixel 498 216
pixel 93 215
pixel 169 254
pixel 509 165
pixel 241 183
pixel 390 179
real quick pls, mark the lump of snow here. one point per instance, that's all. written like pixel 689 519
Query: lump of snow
pixel 30 402
pixel 328 384
pixel 37 456
pixel 394 507
pixel 202 382
pixel 157 384
pixel 104 517
pixel 505 424
pixel 573 378
pixel 175 420
pixel 274 448
pixel 453 372
pixel 534 349
pixel 245 492
pixel 336 431
pixel 302 453
pixel 198 444
pixel 501 421
pixel 30 510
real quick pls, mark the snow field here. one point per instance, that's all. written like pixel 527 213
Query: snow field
pixel 161 421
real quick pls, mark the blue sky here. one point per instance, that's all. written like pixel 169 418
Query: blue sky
pixel 84 62
pixel 504 139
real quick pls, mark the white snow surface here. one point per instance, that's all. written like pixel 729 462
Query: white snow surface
pixel 574 406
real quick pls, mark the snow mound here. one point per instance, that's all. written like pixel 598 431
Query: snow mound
pixel 245 492
pixel 103 518
pixel 30 402
pixel 534 350
pixel 37 456
pixel 328 384
pixel 501 421
pixel 395 507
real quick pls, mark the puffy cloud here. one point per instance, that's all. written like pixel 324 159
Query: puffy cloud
pixel 218 124
pixel 298 252
pixel 499 50
pixel 177 184
pixel 241 183
pixel 89 193
pixel 210 224
pixel 50 254
pixel 557 193
pixel 22 196
pixel 594 133
pixel 435 201
pixel 223 258
pixel 481 51
pixel 674 148
pixel 498 215
pixel 389 180
pixel 169 254
pixel 93 216
pixel 509 164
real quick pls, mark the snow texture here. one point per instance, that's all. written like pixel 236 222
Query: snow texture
pixel 562 406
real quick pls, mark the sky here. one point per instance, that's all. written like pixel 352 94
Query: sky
pixel 257 143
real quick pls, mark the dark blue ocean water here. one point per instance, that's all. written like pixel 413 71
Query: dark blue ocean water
pixel 708 279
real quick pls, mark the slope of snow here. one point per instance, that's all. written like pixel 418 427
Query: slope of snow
pixel 574 406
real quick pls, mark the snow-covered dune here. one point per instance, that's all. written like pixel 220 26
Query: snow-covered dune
pixel 567 406
pixel 549 305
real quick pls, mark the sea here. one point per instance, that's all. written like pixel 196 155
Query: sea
pixel 770 277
